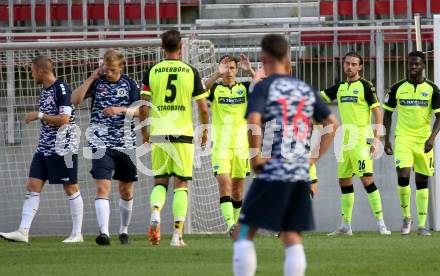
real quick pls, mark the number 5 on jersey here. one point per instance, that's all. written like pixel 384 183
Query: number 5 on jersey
pixel 172 87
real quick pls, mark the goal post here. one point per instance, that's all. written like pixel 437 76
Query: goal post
pixel 74 62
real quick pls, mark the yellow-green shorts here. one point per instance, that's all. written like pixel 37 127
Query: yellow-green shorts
pixel 233 161
pixel 356 161
pixel 172 159
pixel 312 174
pixel 409 153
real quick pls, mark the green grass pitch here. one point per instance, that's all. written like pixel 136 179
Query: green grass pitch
pixel 365 253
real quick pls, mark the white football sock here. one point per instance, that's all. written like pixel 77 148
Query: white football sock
pixel 102 207
pixel 30 208
pixel 125 209
pixel 155 215
pixel 244 260
pixel 346 225
pixel 295 260
pixel 76 210
pixel 380 223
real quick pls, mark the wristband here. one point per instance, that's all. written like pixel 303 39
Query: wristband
pixel 40 115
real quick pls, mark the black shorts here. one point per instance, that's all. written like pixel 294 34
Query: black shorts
pixel 55 168
pixel 278 206
pixel 116 163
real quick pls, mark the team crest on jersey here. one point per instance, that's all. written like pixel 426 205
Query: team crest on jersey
pixel 240 91
pixel 355 91
pixel 425 94
pixel 122 92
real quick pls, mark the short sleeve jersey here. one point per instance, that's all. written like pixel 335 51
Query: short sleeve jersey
pixel 116 132
pixel 355 101
pixel 55 100
pixel 228 104
pixel 172 84
pixel 415 104
pixel 288 107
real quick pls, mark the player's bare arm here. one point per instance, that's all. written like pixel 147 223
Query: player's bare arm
pixel 246 66
pixel 430 142
pixel 222 68
pixel 377 114
pixel 79 93
pixel 55 120
pixel 387 121
pixel 116 110
pixel 326 139
pixel 204 118
pixel 255 140
pixel 144 112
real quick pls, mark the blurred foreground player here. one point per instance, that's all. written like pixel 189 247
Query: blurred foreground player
pixel 279 198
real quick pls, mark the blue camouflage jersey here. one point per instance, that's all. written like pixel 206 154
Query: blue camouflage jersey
pixel 288 107
pixel 55 100
pixel 115 132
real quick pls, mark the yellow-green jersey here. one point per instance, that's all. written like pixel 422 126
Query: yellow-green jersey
pixel 355 101
pixel 228 105
pixel 172 84
pixel 415 104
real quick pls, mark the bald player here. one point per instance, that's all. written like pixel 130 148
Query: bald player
pixel 52 161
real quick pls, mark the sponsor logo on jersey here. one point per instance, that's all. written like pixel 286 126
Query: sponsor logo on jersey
pixel 349 99
pixel 224 100
pixel 413 102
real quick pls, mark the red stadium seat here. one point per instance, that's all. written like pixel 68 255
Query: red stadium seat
pixel 382 7
pixel 113 12
pixel 132 12
pixel 4 15
pixel 40 14
pixel 22 12
pixel 95 12
pixel 363 7
pixel 59 12
pixel 345 8
pixel 76 12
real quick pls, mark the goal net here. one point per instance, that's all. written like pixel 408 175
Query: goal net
pixel 74 62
